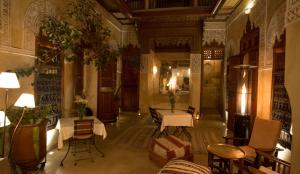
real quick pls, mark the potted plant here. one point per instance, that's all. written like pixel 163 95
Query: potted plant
pixel 84 32
pixel 28 147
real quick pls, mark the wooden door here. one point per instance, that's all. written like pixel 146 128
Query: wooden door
pixel 130 79
pixel 107 104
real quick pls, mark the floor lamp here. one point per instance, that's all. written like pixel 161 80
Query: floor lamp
pixel 8 80
pixel 25 101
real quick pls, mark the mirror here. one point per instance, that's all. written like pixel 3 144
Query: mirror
pixel 174 75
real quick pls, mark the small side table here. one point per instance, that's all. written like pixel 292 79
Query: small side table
pixel 224 154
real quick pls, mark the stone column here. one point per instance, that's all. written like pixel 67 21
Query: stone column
pixel 292 76
pixel 69 86
pixel 146 83
pixel 195 80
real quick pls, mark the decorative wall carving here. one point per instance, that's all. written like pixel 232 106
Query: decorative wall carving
pixel 214 31
pixel 165 41
pixel 4 22
pixel 275 29
pixel 195 63
pixel 258 16
pixel 293 11
pixel 130 37
pixel 34 14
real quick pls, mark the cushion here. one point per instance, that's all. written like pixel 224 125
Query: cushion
pixel 170 147
pixel 250 153
pixel 184 167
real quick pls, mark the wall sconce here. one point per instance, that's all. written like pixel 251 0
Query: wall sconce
pixel 197 116
pixel 154 70
pixel 249 6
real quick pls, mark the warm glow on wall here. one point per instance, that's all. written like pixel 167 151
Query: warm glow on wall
pixel 154 70
pixel 249 6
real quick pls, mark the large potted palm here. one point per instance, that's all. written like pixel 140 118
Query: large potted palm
pixel 28 144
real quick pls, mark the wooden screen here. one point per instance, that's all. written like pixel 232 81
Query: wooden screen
pixel 281 108
pixel 48 80
pixel 212 77
pixel 249 44
pixel 130 79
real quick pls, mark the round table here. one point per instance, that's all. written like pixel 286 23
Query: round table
pixel 224 154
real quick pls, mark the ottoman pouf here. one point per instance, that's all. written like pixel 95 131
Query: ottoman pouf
pixel 162 150
pixel 184 167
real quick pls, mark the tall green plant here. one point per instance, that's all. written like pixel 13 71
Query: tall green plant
pixel 88 34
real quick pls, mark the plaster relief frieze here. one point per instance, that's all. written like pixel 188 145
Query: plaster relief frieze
pixel 293 11
pixel 4 22
pixel 32 22
pixel 257 17
pixel 130 37
pixel 165 41
pixel 275 29
pixel 210 35
pixel 195 63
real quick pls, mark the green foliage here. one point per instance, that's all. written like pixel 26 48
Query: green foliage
pixel 88 34
pixel 31 116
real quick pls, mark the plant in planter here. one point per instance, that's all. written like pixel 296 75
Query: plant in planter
pixel 28 149
pixel 85 32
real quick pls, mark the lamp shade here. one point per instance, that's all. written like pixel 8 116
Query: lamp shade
pixel 9 80
pixel 25 100
pixel 2 117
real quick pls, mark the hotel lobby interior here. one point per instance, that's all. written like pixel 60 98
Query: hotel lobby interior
pixel 149 86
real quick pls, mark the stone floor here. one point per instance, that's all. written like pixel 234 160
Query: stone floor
pixel 125 148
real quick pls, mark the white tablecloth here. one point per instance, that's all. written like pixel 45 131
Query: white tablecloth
pixel 65 127
pixel 176 118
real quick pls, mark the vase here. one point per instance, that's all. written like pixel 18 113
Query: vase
pixel 172 107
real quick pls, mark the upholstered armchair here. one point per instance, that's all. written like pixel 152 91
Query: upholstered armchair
pixel 264 137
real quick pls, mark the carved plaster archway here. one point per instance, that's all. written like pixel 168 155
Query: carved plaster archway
pixel 34 14
pixel 275 29
pixel 4 22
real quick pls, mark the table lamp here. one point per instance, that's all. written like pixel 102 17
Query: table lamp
pixel 25 101
pixel 8 80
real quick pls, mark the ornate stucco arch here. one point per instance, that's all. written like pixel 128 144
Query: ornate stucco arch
pixel 275 29
pixel 32 21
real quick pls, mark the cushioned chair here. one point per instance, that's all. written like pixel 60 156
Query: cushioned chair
pixel 281 166
pixel 164 149
pixel 184 167
pixel 264 137
pixel 191 110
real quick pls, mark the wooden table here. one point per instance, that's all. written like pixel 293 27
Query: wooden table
pixel 224 154
pixel 66 132
pixel 176 118
pixel 65 127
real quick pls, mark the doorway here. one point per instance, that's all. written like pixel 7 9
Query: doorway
pixel 212 79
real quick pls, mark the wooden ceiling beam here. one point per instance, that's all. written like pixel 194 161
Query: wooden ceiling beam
pixel 197 11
